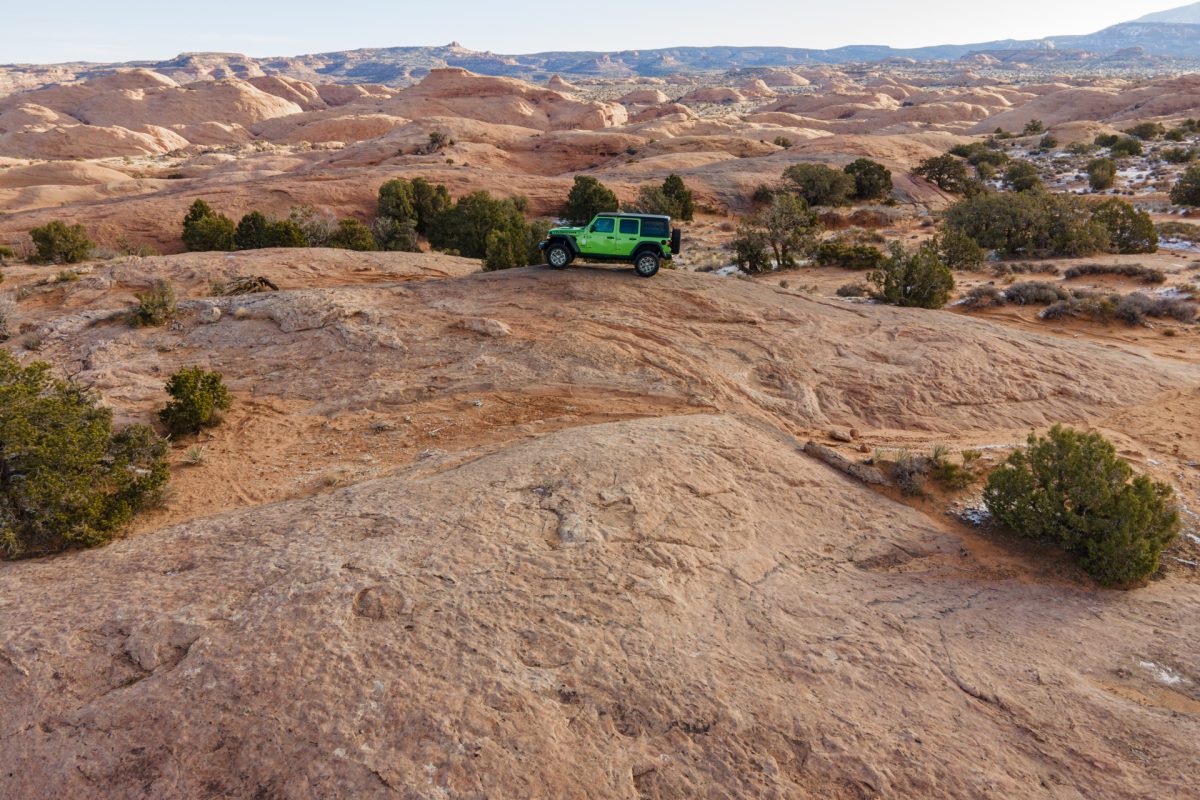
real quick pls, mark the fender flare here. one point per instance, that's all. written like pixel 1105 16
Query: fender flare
pixel 565 240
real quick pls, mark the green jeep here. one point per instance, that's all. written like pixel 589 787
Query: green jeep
pixel 643 240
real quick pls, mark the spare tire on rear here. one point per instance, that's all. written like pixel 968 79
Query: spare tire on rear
pixel 676 241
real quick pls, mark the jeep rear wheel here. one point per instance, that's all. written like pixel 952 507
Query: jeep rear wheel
pixel 558 256
pixel 646 264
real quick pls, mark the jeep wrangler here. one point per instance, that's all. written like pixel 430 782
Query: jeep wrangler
pixel 643 240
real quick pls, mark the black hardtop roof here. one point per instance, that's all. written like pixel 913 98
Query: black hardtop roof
pixel 631 215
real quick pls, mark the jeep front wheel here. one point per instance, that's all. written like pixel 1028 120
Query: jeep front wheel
pixel 646 264
pixel 558 256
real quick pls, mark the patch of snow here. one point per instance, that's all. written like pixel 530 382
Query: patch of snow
pixel 726 272
pixel 1162 674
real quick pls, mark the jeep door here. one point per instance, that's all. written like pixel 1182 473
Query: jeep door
pixel 628 235
pixel 602 237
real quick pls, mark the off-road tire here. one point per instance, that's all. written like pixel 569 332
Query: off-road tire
pixel 645 264
pixel 558 256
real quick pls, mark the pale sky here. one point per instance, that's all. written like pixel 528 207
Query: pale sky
pixel 122 30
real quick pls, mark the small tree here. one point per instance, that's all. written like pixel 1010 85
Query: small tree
pixel 1148 131
pixel 1126 146
pixel 396 200
pixel 353 235
pixel 872 180
pixel 394 235
pixel 750 253
pixel 790 228
pixel 156 306
pixel 960 251
pixel 1022 176
pixel 428 201
pixel 588 197
pixel 66 478
pixel 59 243
pixel 1071 489
pixel 946 172
pixel 204 229
pixel 198 397
pixel 1130 230
pixel 1033 128
pixel 1186 191
pixel 1102 173
pixel 684 203
pixel 915 279
pixel 819 185
pixel 315 228
pixel 251 233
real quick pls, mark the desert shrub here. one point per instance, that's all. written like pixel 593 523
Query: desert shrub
pixel 255 231
pixel 1180 230
pixel 916 279
pixel 763 194
pixel 1033 128
pixel 316 228
pixel 984 296
pixel 1133 309
pixel 1023 268
pixel 1102 173
pixel 783 141
pixel 819 185
pixel 8 318
pixel 685 204
pixel 1099 308
pixel 1178 155
pixel 1129 230
pixel 156 306
pixel 1126 146
pixel 515 245
pixel 953 476
pixel 6 254
pixel 1040 293
pixel 1142 273
pixel 197 399
pixel 1081 148
pixel 1030 224
pixel 750 248
pixel 1048 142
pixel 66 478
pixel 587 198
pixel 946 172
pixel 59 243
pixel 395 235
pixel 872 180
pixel 1147 131
pixel 1107 139
pixel 1022 176
pixel 428 201
pixel 205 229
pixel 1071 489
pixel 848 255
pixel 673 198
pixel 853 290
pixel 395 200
pixel 790 228
pixel 467 227
pixel 1186 191
pixel 980 154
pixel 352 235
pixel 960 251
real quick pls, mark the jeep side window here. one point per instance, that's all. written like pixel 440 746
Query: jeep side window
pixel 655 229
pixel 629 227
pixel 603 225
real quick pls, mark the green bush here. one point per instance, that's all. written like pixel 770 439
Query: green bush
pixel 1022 176
pixel 1070 489
pixel 394 235
pixel 353 235
pixel 205 229
pixel 515 245
pixel 1148 131
pixel 467 228
pixel 1033 128
pixel 750 249
pixel 1178 155
pixel 915 279
pixel 417 201
pixel 315 227
pixel 1126 146
pixel 587 198
pixel 960 251
pixel 1029 224
pixel 1102 173
pixel 673 198
pixel 156 306
pixel 946 172
pixel 1048 142
pixel 255 231
pixel 1129 229
pixel 983 156
pixel 66 478
pixel 59 243
pixel 848 255
pixel 1107 139
pixel 1186 191
pixel 819 185
pixel 6 253
pixel 788 228
pixel 872 180
pixel 197 398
